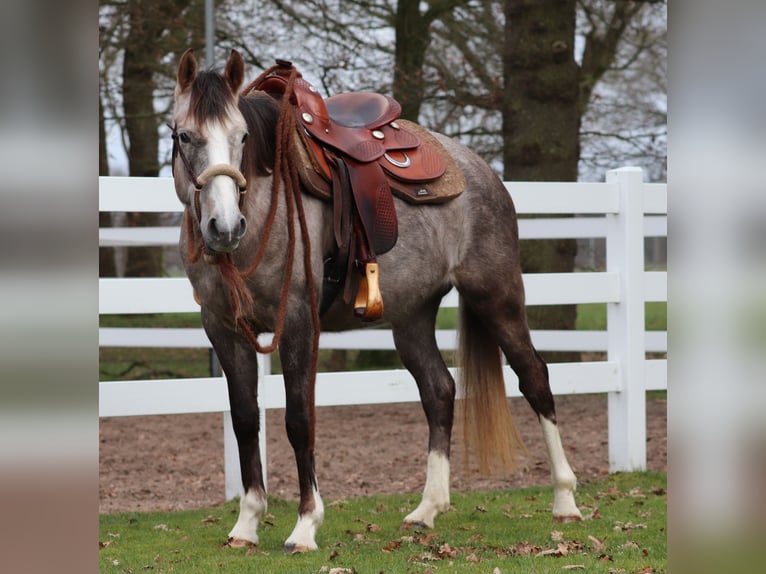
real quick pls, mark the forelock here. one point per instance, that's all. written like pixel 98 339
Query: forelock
pixel 211 98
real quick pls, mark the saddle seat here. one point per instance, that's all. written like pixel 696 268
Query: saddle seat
pixel 361 109
pixel 352 149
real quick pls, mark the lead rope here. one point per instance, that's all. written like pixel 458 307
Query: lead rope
pixel 286 170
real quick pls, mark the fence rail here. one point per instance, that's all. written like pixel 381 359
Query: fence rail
pixel 624 210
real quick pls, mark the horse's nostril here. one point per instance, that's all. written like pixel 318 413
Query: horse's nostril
pixel 212 228
pixel 242 226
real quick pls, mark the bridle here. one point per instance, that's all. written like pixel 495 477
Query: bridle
pixel 200 180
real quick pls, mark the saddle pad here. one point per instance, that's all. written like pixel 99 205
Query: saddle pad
pixel 448 186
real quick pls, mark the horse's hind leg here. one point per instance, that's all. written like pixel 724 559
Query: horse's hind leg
pixel 239 362
pixel 416 343
pixel 499 305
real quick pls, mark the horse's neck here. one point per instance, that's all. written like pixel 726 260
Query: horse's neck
pixel 259 205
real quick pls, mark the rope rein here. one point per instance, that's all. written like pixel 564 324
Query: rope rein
pixel 285 170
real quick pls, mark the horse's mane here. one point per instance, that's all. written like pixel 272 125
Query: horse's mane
pixel 261 113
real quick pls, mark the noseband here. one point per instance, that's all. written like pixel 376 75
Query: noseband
pixel 200 180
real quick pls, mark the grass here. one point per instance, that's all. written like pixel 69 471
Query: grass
pixel 512 531
pixel 592 316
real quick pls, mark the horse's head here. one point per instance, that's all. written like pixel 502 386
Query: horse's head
pixel 209 133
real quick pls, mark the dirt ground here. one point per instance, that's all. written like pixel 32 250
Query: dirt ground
pixel 176 462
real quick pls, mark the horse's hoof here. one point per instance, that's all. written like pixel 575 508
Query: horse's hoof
pixel 238 543
pixel 563 519
pixel 293 548
pixel 414 525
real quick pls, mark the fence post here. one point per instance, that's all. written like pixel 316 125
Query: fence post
pixel 232 475
pixel 625 323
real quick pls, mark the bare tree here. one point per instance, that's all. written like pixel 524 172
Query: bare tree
pixel 140 41
pixel 547 94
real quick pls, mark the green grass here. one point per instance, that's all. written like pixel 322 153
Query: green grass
pixel 512 531
pixel 592 316
pixel 169 320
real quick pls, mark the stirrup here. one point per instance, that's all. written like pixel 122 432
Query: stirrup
pixel 368 304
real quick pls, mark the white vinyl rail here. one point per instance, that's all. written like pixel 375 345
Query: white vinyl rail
pixel 623 209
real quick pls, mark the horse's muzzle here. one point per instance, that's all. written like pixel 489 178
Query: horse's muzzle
pixel 222 238
pixel 222 234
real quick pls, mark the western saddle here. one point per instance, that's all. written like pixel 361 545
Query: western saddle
pixel 353 150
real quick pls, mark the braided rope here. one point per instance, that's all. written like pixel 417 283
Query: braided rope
pixel 285 170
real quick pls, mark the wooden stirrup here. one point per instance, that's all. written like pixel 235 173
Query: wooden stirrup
pixel 368 304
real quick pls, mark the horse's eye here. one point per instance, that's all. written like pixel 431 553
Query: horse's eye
pixel 184 137
pixel 244 137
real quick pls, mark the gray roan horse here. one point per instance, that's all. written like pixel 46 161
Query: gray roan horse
pixel 238 252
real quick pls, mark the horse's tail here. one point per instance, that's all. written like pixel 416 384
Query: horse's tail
pixel 488 428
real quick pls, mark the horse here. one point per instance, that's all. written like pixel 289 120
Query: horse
pixel 252 275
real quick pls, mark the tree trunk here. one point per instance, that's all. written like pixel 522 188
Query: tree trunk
pixel 141 123
pixel 412 39
pixel 106 263
pixel 541 123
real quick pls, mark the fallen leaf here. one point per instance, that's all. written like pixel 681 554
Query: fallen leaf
pixel 593 515
pixel 473 558
pixel 445 551
pixel 333 555
pixel 560 550
pixel 161 527
pixel 496 571
pixel 557 535
pixel 428 538
pixel 524 549
pixel 373 527
pixel 598 545
pixel 210 520
pixel 626 526
pixel 480 508
pixel 573 567
pixel 391 546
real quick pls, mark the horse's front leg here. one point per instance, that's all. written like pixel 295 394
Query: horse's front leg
pixel 295 351
pixel 239 362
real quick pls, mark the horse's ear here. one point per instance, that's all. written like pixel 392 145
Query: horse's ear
pixel 187 70
pixel 234 71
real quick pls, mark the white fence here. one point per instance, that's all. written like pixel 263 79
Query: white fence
pixel 624 210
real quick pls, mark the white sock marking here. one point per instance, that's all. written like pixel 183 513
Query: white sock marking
pixel 303 536
pixel 436 492
pixel 564 480
pixel 251 509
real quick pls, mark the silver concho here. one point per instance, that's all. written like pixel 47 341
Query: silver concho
pixel 406 163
